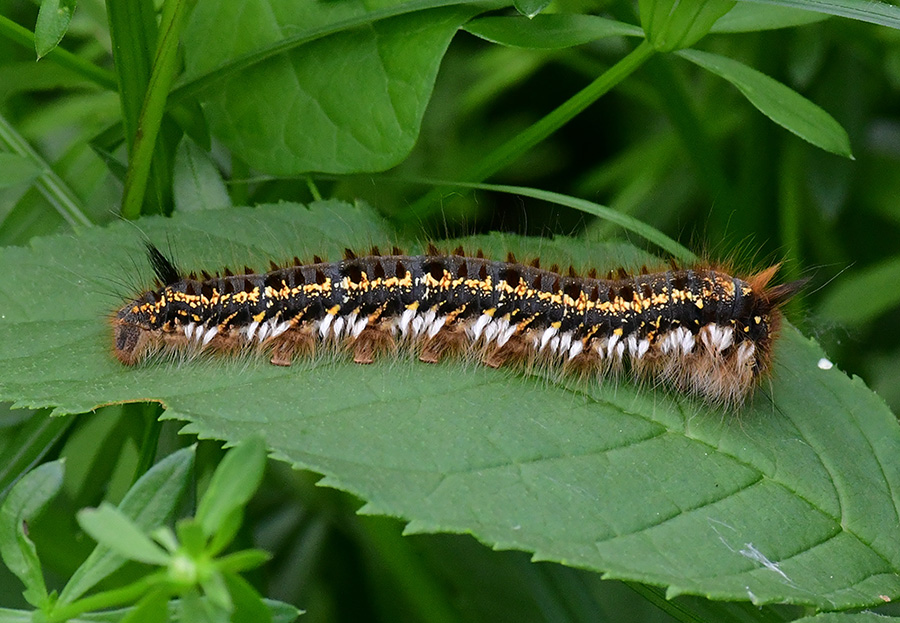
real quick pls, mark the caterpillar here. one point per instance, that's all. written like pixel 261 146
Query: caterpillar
pixel 701 330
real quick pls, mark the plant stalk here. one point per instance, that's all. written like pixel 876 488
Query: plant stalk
pixel 507 153
pixel 150 119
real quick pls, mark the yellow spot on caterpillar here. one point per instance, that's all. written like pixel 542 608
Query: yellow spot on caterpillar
pixel 479 284
pixel 363 284
pixel 413 306
pixel 259 317
pixel 431 282
pixel 490 312
pixel 727 285
pixel 334 310
pixel 317 288
pixel 618 331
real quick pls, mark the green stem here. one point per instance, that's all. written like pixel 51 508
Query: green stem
pixel 313 189
pixel 132 29
pixel 105 600
pixel 151 115
pixel 49 184
pixel 24 37
pixel 521 143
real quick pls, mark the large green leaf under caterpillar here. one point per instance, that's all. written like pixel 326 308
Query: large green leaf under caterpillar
pixel 790 500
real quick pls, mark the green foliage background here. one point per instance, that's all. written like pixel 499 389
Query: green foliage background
pixel 296 101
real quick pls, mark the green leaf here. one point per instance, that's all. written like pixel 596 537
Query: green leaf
pixel 676 24
pixel 110 527
pixel 779 103
pixel 228 529
pixel 288 115
pixel 280 612
pixel 52 23
pixel 624 221
pixel 215 590
pixel 530 8
pixel 15 170
pixel 243 560
pixel 197 183
pixel 25 501
pixel 880 13
pixel 197 609
pixel 635 482
pixel 15 616
pixel 550 32
pixel 149 503
pixel 150 609
pixel 233 484
pixel 165 536
pixel 71 62
pixel 860 296
pixel 191 536
pixel 847 617
pixel 248 604
pixel 31 442
pixel 752 17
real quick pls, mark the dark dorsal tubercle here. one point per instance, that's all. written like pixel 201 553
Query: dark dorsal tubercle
pixel 165 271
pixel 168 274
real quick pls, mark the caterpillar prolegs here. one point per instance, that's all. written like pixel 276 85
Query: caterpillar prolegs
pixel 700 330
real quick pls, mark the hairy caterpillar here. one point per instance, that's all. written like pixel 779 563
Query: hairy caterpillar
pixel 700 330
